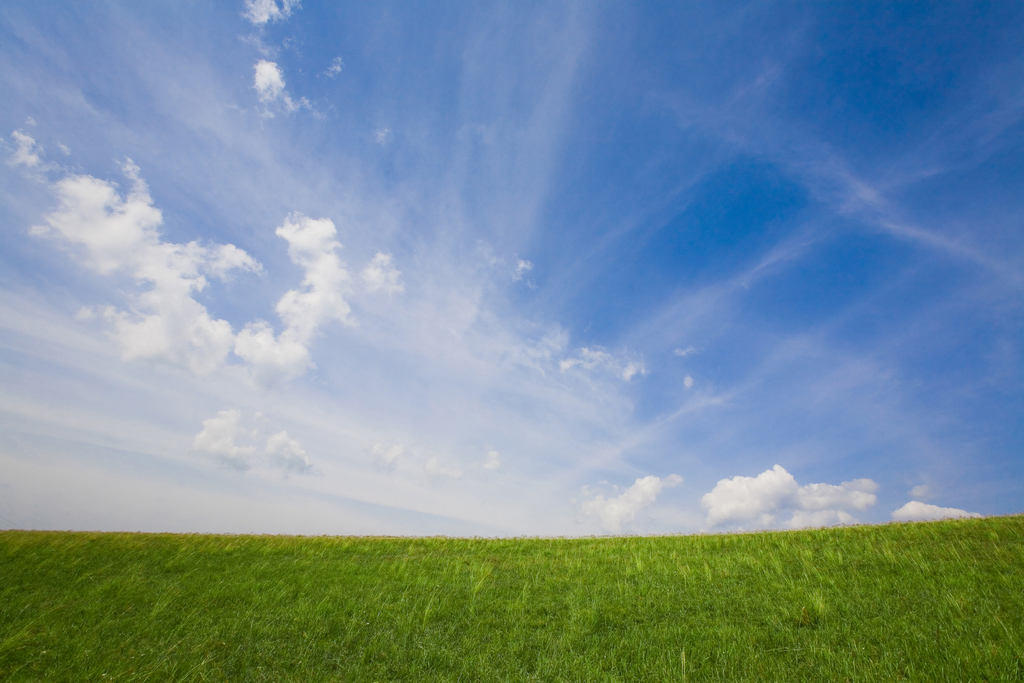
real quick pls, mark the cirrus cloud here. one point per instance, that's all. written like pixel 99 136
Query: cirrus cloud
pixel 596 358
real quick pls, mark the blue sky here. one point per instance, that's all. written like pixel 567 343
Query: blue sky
pixel 509 268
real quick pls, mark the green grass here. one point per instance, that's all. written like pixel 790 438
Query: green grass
pixel 939 601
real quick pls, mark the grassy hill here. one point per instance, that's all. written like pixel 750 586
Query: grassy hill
pixel 921 602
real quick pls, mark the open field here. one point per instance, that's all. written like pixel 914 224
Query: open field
pixel 924 602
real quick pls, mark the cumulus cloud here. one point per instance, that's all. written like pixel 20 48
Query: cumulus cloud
pixel 687 381
pixel 803 518
pixel 915 511
pixel 434 467
pixel 260 12
pixel 218 438
pixel 380 275
pixel 921 492
pixel 312 246
pixel 493 461
pixel 632 369
pixel 597 358
pixel 268 81
pixel 616 512
pixel 287 454
pixel 387 454
pixel 26 151
pixel 165 323
pixel 109 232
pixel 763 500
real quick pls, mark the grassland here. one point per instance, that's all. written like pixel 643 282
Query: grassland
pixel 937 601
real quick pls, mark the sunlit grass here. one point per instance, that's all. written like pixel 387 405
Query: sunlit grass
pixel 930 602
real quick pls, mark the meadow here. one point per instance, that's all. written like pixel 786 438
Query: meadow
pixel 938 601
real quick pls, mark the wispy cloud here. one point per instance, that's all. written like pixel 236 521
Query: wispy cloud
pixel 522 267
pixel 596 358
pixel 733 270
pixel 335 68
pixel 380 275
pixel 436 468
pixel 26 151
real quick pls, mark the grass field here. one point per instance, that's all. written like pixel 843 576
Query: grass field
pixel 940 601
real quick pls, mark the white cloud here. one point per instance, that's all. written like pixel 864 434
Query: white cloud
pixel 26 151
pixel 587 359
pixel 687 381
pixel 261 11
pixel 743 499
pixel 335 68
pixel 382 135
pixel 538 355
pixel 763 499
pixel 268 81
pixel 921 492
pixel 311 244
pixel 632 369
pixel 915 511
pixel 598 358
pixel 434 467
pixel 493 461
pixel 287 454
pixel 111 233
pixel 684 352
pixel 522 267
pixel 218 438
pixel 386 454
pixel 615 512
pixel 802 518
pixel 858 494
pixel 381 275
pixel 165 323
